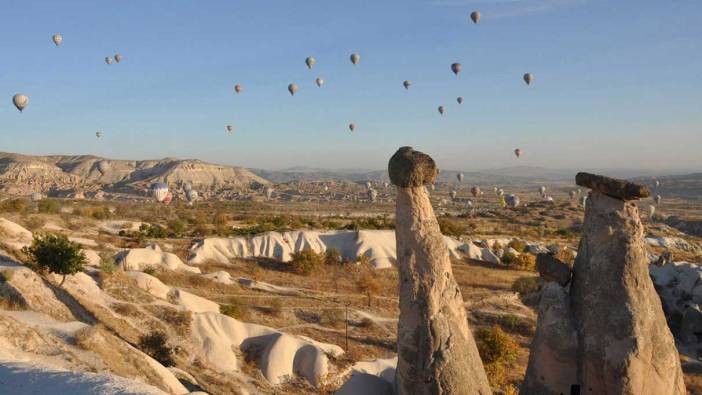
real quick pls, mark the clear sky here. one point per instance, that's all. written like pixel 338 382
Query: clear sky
pixel 617 83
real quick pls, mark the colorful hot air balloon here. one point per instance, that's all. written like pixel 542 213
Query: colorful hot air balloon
pixel 355 58
pixel 168 199
pixel 475 191
pixel 108 59
pixel 456 68
pixel 528 78
pixel 512 200
pixel 572 194
pixel 20 101
pixel 57 39
pixel 407 84
pixel 352 127
pixel 118 58
pixel 310 61
pixel 459 99
pixel 159 190
pixel 292 88
pixel 237 88
pixel 475 16
pixel 518 152
pixel 319 82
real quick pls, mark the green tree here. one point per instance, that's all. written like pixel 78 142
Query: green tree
pixel 57 254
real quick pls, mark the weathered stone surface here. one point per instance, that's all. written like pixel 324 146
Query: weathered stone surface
pixel 436 350
pixel 410 168
pixel 552 269
pixel 624 345
pixel 553 364
pixel 620 189
pixel 691 325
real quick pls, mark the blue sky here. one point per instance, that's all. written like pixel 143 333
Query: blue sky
pixel 617 83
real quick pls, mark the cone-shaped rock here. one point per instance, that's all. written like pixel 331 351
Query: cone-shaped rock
pixel 436 350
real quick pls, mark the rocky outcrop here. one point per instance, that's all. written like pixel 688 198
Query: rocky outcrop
pixel 436 350
pixel 606 333
pixel 551 269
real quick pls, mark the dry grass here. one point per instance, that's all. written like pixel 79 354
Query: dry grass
pixel 176 319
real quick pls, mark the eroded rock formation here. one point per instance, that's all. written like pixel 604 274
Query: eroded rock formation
pixel 606 332
pixel 436 350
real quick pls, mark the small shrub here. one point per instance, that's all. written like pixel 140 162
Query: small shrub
pixel 235 310
pixel 526 261
pixel 331 317
pixel 276 307
pixel 107 263
pixel 179 319
pixel 332 257
pixel 368 285
pixel 14 205
pixel 517 245
pixel 306 262
pixel 48 206
pixel 509 258
pixel 450 228
pixel 497 246
pixel 55 253
pixel 6 275
pixel 496 349
pixel 177 226
pixel 150 270
pixel 565 255
pixel 156 346
pixel 526 285
pixel 365 323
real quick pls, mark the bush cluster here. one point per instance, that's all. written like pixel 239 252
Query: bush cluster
pixel 306 262
pixel 55 253
pixel 497 350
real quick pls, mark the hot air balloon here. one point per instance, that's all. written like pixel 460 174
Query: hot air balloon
pixel 108 59
pixel 20 101
pixel 230 128
pixel 528 78
pixel 518 152
pixel 658 183
pixel 118 58
pixel 159 190
pixel 36 196
pixel 500 192
pixel 503 203
pixel 310 61
pixel 326 188
pixel 583 200
pixel 98 134
pixel 494 189
pixel 103 166
pixel 386 184
pixel 542 190
pixel 512 200
pixel 572 194
pixel 352 127
pixel 407 84
pixel 369 185
pixel 651 210
pixel 191 195
pixel 453 194
pixel 168 199
pixel 658 199
pixel 187 187
pixel 57 38
pixel 475 16
pixel 548 199
pixel 237 88
pixel 355 58
pixel 456 68
pixel 372 195
pixel 319 82
pixel 292 88
pixel 268 191
pixel 475 191
pixel 442 109
pixel 469 203
pixel 432 186
pixel 459 99
pixel 460 176
pixel 580 191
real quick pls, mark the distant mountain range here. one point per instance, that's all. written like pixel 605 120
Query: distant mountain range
pixel 66 175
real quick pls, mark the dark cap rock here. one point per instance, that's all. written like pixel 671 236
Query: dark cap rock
pixel 613 187
pixel 410 168
pixel 552 269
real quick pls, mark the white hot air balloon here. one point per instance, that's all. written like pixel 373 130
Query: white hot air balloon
pixel 459 177
pixel 651 210
pixel 528 78
pixel 20 101
pixel 407 84
pixel 57 39
pixel 453 194
pixel 355 58
pixel 469 203
pixel 310 61
pixel 118 58
pixel 658 183
pixel 268 191
pixel 319 82
pixel 293 88
pixel 432 186
pixel 108 59
pixel 542 191
pixel 572 194
pixel 583 200
pixel 475 16
pixel 386 184
pixel 500 192
pixel 657 199
pixel 159 191
pixel 230 128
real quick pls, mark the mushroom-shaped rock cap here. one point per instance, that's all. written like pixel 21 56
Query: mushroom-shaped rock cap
pixel 620 189
pixel 410 168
